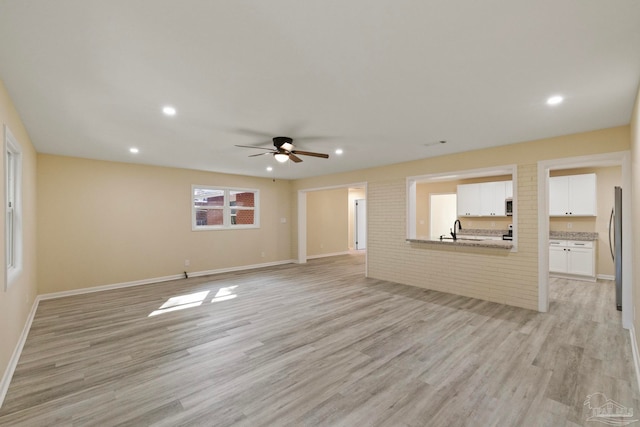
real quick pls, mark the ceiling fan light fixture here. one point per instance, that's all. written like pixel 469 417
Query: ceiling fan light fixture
pixel 287 146
pixel 281 157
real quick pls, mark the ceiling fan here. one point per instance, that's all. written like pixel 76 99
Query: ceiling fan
pixel 284 150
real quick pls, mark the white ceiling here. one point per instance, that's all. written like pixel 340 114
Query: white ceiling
pixel 379 79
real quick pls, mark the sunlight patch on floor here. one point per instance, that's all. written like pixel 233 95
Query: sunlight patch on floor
pixel 195 299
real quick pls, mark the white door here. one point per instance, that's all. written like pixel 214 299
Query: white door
pixel 361 224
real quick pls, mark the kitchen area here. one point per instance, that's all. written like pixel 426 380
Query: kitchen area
pixel 479 212
pixel 585 224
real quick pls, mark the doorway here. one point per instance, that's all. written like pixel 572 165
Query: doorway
pixel 442 213
pixel 602 160
pixel 360 224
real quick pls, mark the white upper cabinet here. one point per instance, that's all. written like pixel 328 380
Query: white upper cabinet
pixel 483 199
pixel 492 198
pixel 572 195
pixel 468 200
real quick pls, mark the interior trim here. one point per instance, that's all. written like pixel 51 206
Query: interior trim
pixel 159 279
pixel 17 351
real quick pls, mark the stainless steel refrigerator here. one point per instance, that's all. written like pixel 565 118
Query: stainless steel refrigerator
pixel 615 243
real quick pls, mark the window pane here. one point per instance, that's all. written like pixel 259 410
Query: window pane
pixel 244 217
pixel 10 241
pixel 209 217
pixel 207 197
pixel 242 198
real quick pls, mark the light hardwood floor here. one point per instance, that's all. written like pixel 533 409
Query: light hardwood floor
pixel 318 344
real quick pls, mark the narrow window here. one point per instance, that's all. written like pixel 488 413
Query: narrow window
pixel 13 191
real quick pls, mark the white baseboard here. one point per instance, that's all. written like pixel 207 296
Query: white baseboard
pixel 240 268
pixel 158 280
pixel 328 255
pixel 606 277
pixel 636 354
pixel 13 362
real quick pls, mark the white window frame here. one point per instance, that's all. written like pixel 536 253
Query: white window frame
pixel 13 206
pixel 227 209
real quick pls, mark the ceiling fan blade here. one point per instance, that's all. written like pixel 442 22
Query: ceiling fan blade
pixel 294 158
pixel 259 154
pixel 252 132
pixel 313 138
pixel 253 146
pixel 309 153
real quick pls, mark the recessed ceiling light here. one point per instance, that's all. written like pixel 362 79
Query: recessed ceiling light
pixel 339 151
pixel 169 110
pixel 269 168
pixel 134 150
pixel 555 100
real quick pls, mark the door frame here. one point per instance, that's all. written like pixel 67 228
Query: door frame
pixel 302 217
pixel 355 225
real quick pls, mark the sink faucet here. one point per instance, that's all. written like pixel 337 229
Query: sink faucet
pixel 453 231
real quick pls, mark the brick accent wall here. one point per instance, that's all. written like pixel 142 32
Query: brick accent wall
pixel 493 275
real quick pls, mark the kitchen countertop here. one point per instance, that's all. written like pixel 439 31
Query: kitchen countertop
pixel 481 232
pixel 573 235
pixel 493 244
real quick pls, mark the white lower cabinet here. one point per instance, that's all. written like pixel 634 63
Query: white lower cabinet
pixel 571 257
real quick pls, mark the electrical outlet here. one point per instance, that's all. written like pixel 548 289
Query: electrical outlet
pixel 283 220
pixel 569 225
pixel 262 254
pixel 493 223
pixel 321 245
pixel 187 263
pixel 422 222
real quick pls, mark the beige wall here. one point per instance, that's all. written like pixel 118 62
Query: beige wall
pixel 103 223
pixel 494 275
pixel 327 221
pixel 606 179
pixel 16 302
pixel 354 194
pixel 635 207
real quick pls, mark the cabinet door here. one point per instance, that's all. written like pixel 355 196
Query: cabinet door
pixel 468 200
pixel 559 196
pixel 580 261
pixel 558 259
pixel 508 189
pixel 582 194
pixel 492 196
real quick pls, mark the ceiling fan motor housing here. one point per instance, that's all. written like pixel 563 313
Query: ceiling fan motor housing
pixel 278 141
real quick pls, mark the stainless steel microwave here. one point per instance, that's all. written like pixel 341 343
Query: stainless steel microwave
pixel 508 206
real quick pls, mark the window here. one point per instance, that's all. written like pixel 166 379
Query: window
pixel 13 225
pixel 224 208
